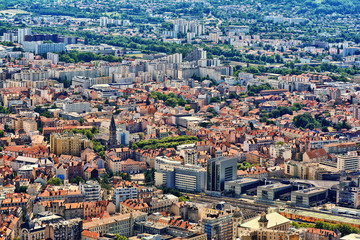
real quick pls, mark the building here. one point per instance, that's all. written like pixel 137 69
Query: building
pixel 132 166
pixel 104 21
pixel 191 157
pixel 352 236
pixel 112 136
pixel 348 194
pixel 123 193
pixel 91 190
pixel 22 32
pixel 68 143
pixel 313 217
pixel 320 234
pixel 190 178
pixel 39 47
pixel 271 221
pixel 117 224
pixel 348 162
pixel 64 230
pixel 54 57
pixel 196 54
pixel 220 170
pixel 240 186
pixel 340 148
pixel 165 178
pixel 272 191
pixel 356 111
pixel 309 197
pixel 155 204
pixel 218 226
pixel 21 161
pixel 81 107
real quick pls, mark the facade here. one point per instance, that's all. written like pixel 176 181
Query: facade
pixel 320 234
pixel 64 230
pixel 190 178
pixel 116 224
pixel 112 136
pixel 68 143
pixel 309 197
pixel 91 190
pixel 340 148
pixel 348 194
pixel 81 107
pixel 124 193
pixel 272 191
pixel 348 162
pixel 191 157
pixel 220 170
pixel 22 32
pixel 196 54
pixel 240 186
pixel 218 227
pixel 54 57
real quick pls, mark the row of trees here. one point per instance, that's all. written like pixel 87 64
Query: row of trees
pixel 167 142
pixel 252 89
pixel 307 121
pixel 280 111
pixel 76 56
pixel 170 99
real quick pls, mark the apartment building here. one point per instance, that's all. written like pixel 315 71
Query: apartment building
pixel 68 143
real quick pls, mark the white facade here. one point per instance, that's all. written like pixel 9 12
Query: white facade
pixel 124 193
pixel 81 107
pixel 91 190
pixel 348 162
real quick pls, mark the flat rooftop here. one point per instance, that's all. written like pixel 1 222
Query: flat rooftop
pixel 310 191
pixel 324 216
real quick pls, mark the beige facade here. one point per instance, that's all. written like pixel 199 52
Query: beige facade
pixel 68 143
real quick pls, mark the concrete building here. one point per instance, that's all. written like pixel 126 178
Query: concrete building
pixel 54 57
pixel 218 227
pixel 220 170
pixel 272 191
pixel 91 190
pixel 240 186
pixel 68 143
pixel 320 234
pixel 65 230
pixel 104 21
pixel 22 32
pixel 309 197
pixel 81 107
pixel 196 54
pixel 190 178
pixel 165 178
pixel 348 194
pixel 117 224
pixel 21 161
pixel 40 48
pixel 123 193
pixel 340 148
pixel 191 157
pixel 348 162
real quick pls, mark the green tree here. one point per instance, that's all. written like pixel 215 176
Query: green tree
pixel 77 180
pixel 119 237
pixel 22 189
pixel 54 181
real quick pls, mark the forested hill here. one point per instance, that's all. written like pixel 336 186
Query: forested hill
pixel 308 6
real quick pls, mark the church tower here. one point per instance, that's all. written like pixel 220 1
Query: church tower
pixel 112 137
pixel 263 222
